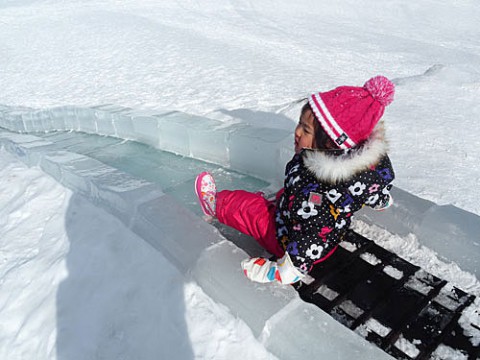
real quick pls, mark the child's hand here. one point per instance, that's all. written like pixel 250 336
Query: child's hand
pixel 264 271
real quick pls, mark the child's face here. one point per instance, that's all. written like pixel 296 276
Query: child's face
pixel 305 132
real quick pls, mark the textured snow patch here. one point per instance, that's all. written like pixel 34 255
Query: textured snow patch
pixel 216 333
pixel 348 246
pixel 370 258
pixel 32 264
pixel 407 347
pixel 327 293
pixel 373 325
pixel 408 248
pixel 470 322
pixel 351 309
pixel 378 327
pixel 417 285
pixel 393 272
pixel 443 352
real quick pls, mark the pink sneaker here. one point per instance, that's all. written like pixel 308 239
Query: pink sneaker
pixel 206 192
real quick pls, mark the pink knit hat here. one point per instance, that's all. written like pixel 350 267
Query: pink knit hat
pixel 348 114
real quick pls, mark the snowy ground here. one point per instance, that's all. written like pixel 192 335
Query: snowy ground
pixel 231 60
pixel 240 59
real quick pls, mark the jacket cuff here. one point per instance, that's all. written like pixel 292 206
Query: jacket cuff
pixel 386 204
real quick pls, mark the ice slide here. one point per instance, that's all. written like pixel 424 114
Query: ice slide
pixel 147 183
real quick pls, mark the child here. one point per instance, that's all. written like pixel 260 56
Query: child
pixel 340 165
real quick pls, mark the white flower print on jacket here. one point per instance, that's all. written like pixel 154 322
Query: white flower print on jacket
pixel 340 224
pixel 333 195
pixel 357 189
pixel 372 199
pixel 314 252
pixel 307 210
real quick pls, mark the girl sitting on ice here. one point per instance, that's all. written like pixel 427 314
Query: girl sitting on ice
pixel 340 165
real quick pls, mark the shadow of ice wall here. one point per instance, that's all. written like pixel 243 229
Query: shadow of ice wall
pixel 121 300
pixel 261 152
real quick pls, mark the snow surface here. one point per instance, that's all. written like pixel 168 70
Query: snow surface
pixel 236 61
pixel 247 61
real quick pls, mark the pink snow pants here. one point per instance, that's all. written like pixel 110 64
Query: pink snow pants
pixel 250 214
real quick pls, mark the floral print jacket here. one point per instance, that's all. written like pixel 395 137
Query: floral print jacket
pixel 322 190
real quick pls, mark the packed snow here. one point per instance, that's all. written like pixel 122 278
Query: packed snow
pixel 65 294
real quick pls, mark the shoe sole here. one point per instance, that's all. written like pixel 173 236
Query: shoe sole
pixel 198 184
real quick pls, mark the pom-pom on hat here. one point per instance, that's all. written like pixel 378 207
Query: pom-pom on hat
pixel 348 114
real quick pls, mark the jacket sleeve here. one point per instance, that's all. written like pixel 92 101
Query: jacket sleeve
pixel 384 203
pixel 381 199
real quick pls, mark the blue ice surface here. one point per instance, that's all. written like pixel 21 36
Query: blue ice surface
pixel 169 170
pixel 174 173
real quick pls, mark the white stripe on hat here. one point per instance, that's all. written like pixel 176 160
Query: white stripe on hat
pixel 328 122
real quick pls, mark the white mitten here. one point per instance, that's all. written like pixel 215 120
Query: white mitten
pixel 264 271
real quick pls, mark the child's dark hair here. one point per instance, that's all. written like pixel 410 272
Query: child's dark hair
pixel 322 140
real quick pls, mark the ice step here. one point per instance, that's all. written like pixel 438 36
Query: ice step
pixel 174 173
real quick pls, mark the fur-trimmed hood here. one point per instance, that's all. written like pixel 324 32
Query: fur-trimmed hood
pixel 339 165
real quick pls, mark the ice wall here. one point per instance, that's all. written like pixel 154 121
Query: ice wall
pixel 255 151
pixel 259 152
pixel 286 325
